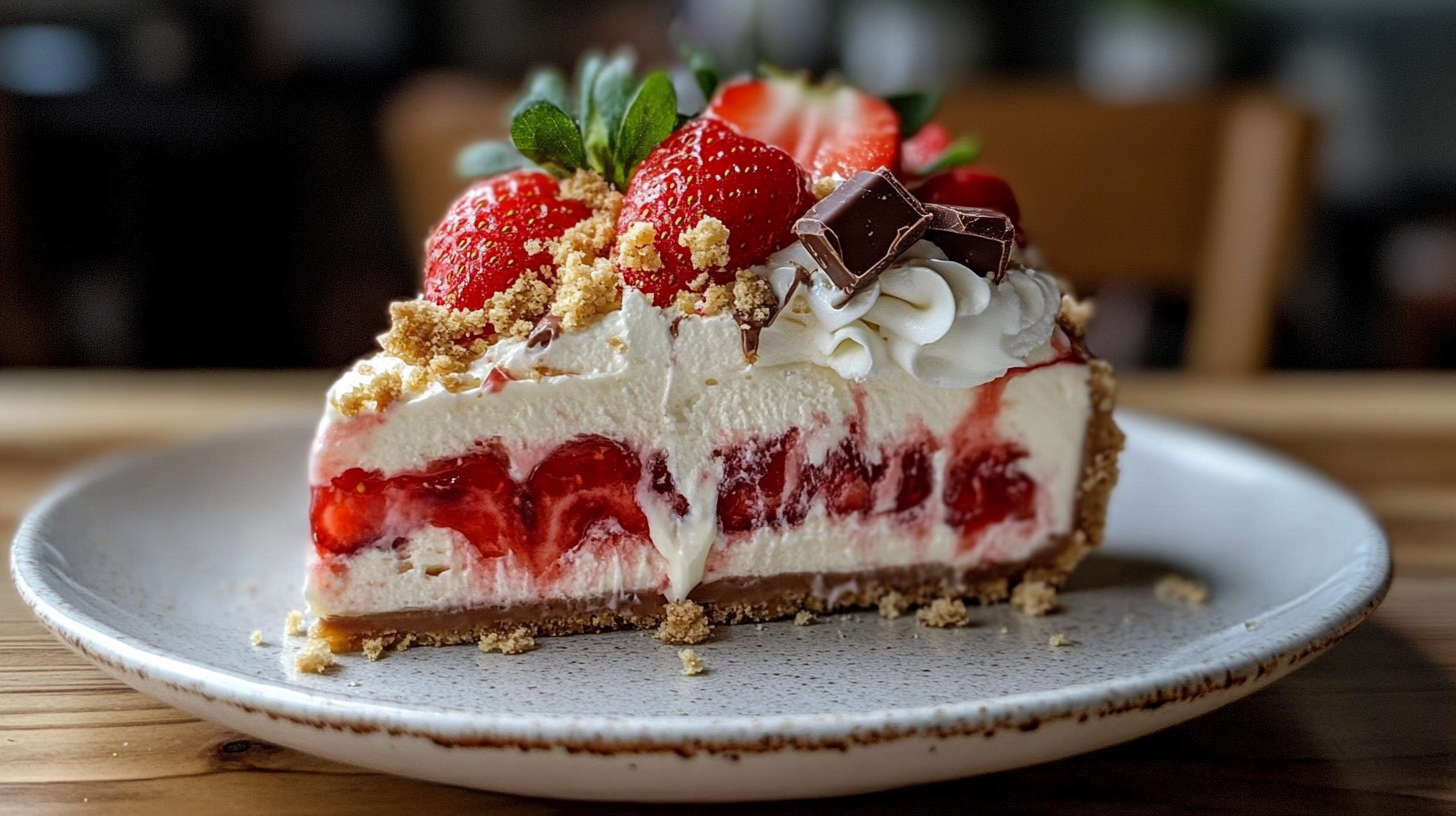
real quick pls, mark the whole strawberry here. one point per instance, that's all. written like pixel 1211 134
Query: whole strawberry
pixel 970 187
pixel 706 169
pixel 481 247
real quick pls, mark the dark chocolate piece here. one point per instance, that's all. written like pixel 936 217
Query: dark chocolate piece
pixel 980 239
pixel 548 329
pixel 861 228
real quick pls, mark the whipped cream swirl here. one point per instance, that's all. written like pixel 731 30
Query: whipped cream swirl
pixel 936 319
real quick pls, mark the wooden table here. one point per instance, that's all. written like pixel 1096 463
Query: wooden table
pixel 1369 728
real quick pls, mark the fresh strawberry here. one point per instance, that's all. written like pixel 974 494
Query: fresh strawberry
pixel 705 168
pixel 476 497
pixel 349 512
pixel 970 187
pixel 480 247
pixel 831 129
pixel 586 482
pixel 921 150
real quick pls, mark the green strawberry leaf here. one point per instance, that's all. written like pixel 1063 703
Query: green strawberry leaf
pixel 702 68
pixel 650 117
pixel 547 136
pixel 963 150
pixel 915 109
pixel 611 91
pixel 545 85
pixel 485 159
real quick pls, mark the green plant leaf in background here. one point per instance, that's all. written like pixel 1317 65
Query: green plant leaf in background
pixel 651 116
pixel 915 109
pixel 544 85
pixel 547 136
pixel 587 69
pixel 702 68
pixel 963 150
pixel 485 159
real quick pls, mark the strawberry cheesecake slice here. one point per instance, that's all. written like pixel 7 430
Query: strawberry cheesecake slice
pixel 640 377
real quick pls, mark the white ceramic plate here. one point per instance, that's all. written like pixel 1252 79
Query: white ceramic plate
pixel 158 568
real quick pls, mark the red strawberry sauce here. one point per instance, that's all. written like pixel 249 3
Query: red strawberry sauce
pixel 588 489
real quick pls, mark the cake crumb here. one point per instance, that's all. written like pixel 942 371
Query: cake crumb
pixel 1005 630
pixel 315 657
pixel 1175 588
pixel 617 343
pixel 375 394
pixel 943 613
pixel 519 641
pixel 1250 625
pixel 824 187
pixel 717 300
pixel 1059 639
pixel 700 283
pixel 591 189
pixel 585 291
pixel 1034 599
pixel 256 638
pixel 804 618
pixel 515 310
pixel 293 624
pixel 686 302
pixel 892 605
pixel 707 243
pixel 685 623
pixel 636 250
pixel 373 648
pixel 692 665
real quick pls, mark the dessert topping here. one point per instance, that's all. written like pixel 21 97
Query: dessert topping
pixel 971 187
pixel 978 238
pixel 832 129
pixel 546 331
pixel 714 201
pixel 860 229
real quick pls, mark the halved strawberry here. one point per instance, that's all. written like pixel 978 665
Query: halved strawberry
pixel 349 512
pixel 921 150
pixel 480 246
pixel 586 482
pixel 706 168
pixel 476 497
pixel 832 129
pixel 970 187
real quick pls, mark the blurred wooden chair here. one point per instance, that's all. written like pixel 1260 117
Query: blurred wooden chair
pixel 424 123
pixel 1205 197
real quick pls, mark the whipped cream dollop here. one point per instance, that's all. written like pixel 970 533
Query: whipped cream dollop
pixel 934 318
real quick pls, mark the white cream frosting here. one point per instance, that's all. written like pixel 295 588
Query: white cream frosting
pixel 934 318
pixel 927 333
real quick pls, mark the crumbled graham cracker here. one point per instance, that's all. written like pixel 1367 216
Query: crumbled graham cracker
pixel 824 187
pixel 692 665
pixel 686 302
pixel 256 638
pixel 315 657
pixel 373 648
pixel 753 298
pixel 293 624
pixel 1175 588
pixel 804 618
pixel 684 623
pixel 585 291
pixel 513 311
pixel 519 641
pixel 436 337
pixel 377 394
pixel 617 343
pixel 591 189
pixel 533 246
pixel 636 250
pixel 707 243
pixel 700 283
pixel 1034 598
pixel 717 300
pixel 1059 639
pixel 892 605
pixel 943 613
pixel 1076 314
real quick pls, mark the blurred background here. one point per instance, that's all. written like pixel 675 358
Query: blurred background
pixel 247 183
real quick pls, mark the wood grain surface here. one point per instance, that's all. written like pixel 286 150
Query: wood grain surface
pixel 1368 728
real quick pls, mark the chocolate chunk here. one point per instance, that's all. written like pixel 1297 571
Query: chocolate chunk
pixel 980 239
pixel 861 228
pixel 548 329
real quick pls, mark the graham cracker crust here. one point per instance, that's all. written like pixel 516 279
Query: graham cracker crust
pixel 744 600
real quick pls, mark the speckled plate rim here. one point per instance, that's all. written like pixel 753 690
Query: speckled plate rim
pixel 46 591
